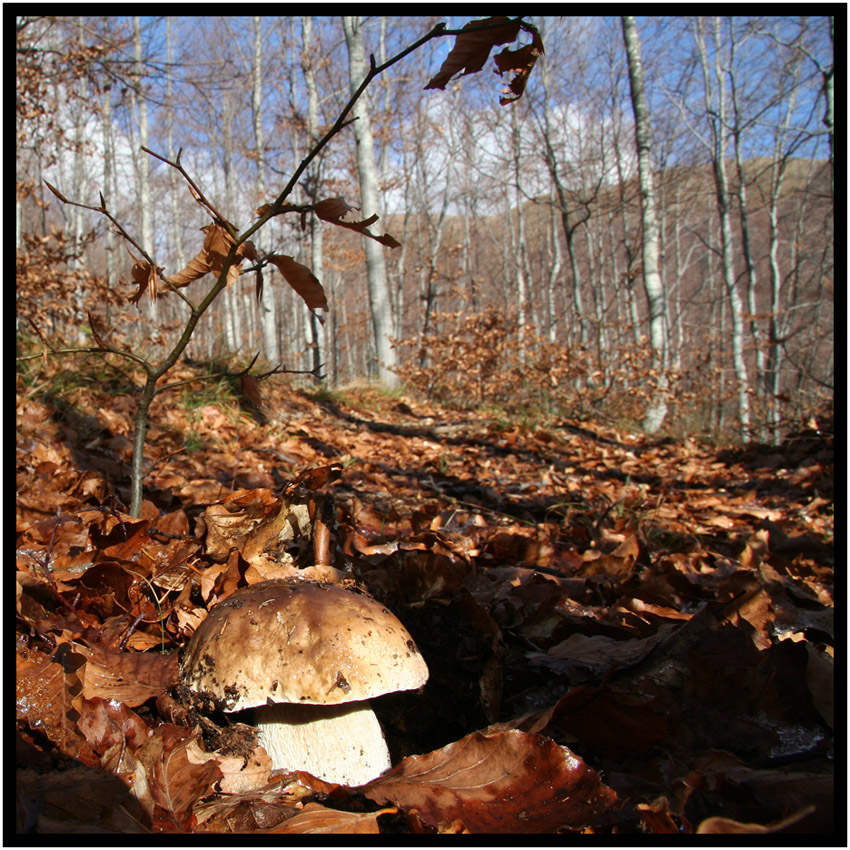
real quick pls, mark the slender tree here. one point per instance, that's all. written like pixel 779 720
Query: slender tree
pixel 379 296
pixel 657 409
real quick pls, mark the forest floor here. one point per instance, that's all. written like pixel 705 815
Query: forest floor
pixel 624 635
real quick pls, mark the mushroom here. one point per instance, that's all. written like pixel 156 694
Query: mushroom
pixel 307 658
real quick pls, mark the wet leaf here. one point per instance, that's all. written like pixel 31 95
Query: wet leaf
pixel 45 700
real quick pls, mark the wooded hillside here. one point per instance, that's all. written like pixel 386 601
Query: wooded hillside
pixel 529 212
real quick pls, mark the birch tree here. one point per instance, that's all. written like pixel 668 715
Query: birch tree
pixel 380 304
pixel 313 180
pixel 657 410
pixel 716 108
pixel 268 318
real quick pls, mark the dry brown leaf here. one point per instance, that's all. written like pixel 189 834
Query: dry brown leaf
pixel 129 677
pixel 333 210
pixel 211 258
pixel 249 386
pixel 254 811
pixel 472 49
pixel 597 652
pixel 171 776
pixel 506 782
pixel 145 276
pixel 239 775
pixel 521 61
pixel 727 826
pixel 316 819
pixel 302 280
pixel 114 732
pixel 81 800
pixel 44 701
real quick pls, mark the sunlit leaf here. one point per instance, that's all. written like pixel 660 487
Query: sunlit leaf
pixel 302 280
pixel 509 782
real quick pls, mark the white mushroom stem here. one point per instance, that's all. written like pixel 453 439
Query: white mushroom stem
pixel 338 743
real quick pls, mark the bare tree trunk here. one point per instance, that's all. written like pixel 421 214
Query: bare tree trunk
pixel 828 117
pixel 268 317
pixel 521 249
pixel 752 277
pixel 379 296
pixel 313 184
pixel 657 410
pixel 139 101
pixel 718 122
pixel 179 252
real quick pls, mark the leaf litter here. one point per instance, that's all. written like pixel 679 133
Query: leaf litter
pixel 624 635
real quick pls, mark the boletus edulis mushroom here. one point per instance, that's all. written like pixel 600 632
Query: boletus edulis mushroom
pixel 307 658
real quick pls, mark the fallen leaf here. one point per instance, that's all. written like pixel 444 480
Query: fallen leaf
pixel 129 677
pixel 169 779
pixel 727 826
pixel 316 819
pixel 507 782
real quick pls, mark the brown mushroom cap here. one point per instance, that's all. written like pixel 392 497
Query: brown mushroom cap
pixel 300 642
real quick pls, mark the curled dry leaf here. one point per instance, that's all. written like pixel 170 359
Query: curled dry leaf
pixel 211 258
pixel 302 280
pixel 312 479
pixel 521 61
pixel 333 209
pixel 472 49
pixel 506 782
pixel 145 276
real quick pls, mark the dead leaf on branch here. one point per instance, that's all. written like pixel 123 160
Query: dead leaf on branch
pixel 146 277
pixel 521 61
pixel 302 280
pixel 217 245
pixel 333 209
pixel 472 49
pixel 506 782
pixel 94 332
